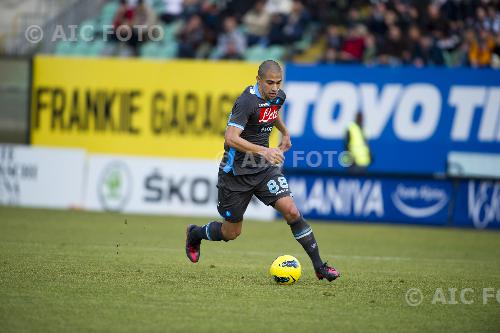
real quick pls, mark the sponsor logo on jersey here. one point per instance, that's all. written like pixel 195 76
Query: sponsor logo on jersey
pixel 268 114
pixel 266 129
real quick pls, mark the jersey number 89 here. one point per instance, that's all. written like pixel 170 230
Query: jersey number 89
pixel 275 187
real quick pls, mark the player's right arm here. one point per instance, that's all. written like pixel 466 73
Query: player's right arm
pixel 233 139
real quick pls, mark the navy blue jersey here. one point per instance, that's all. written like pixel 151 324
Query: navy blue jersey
pixel 256 117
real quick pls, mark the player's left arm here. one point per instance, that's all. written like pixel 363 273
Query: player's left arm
pixel 286 143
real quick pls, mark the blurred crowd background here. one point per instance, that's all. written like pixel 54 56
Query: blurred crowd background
pixel 372 32
pixel 376 32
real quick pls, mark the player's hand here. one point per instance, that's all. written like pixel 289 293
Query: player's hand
pixel 285 144
pixel 274 155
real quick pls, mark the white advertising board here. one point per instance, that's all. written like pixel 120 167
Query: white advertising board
pixel 41 177
pixel 158 186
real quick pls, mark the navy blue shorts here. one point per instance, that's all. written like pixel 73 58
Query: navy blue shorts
pixel 235 192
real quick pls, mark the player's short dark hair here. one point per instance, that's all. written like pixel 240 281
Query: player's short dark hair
pixel 267 66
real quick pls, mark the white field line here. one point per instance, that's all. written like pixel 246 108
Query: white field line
pixel 344 256
pixel 221 250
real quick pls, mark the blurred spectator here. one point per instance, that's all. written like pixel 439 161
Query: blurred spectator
pixel 282 7
pixel 333 39
pixel 449 44
pixel 122 22
pixel 487 18
pixel 406 14
pixel 394 48
pixel 211 17
pixel 172 9
pixel 330 56
pixel 493 20
pixel 257 22
pixel 190 7
pixel 433 22
pixel 288 29
pixel 481 49
pixel 495 60
pixel 427 53
pixel 377 23
pixel 144 17
pixel 191 37
pixel 414 47
pixel 276 30
pixel 354 17
pixel 354 45
pixel 390 20
pixel 123 15
pixel 232 43
pixel 295 23
pixel 370 51
pixel 482 21
pixel 467 40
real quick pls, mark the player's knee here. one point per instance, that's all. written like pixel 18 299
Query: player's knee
pixel 292 213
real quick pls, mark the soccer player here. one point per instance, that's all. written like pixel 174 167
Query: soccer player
pixel 249 167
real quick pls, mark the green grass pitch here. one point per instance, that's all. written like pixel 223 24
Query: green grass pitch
pixel 88 272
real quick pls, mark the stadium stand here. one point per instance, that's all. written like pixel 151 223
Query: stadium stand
pixel 395 32
pixel 370 32
pixel 16 16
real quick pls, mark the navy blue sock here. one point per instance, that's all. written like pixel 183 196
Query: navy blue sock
pixel 304 235
pixel 211 231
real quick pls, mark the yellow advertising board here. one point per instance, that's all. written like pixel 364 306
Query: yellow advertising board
pixel 136 107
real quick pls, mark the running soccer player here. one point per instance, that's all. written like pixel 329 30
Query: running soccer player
pixel 249 167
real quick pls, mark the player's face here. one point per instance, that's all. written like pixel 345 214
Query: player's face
pixel 269 84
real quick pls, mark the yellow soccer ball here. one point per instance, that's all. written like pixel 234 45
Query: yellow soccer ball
pixel 285 270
